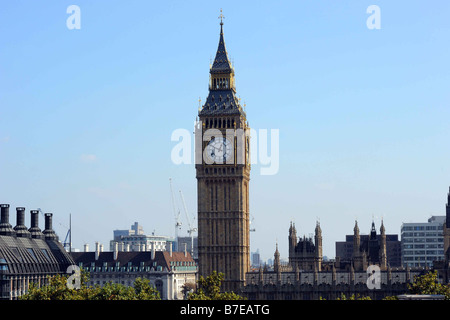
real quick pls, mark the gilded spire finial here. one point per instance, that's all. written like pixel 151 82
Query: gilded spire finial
pixel 221 17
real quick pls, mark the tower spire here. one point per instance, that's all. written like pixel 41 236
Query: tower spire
pixel 221 62
pixel 222 98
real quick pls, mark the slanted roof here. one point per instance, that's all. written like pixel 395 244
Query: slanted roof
pixel 221 62
pixel 222 101
pixel 135 258
pixel 33 256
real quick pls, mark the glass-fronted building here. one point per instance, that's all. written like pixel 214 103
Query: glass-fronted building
pixel 422 243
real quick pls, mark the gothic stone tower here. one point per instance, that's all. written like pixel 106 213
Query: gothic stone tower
pixel 223 175
pixel 305 254
pixel 371 251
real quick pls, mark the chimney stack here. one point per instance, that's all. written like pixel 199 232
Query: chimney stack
pixel 5 227
pixel 86 247
pixel 185 249
pixel 170 248
pixel 21 230
pixel 34 228
pixel 116 250
pixel 153 250
pixel 97 250
pixel 48 231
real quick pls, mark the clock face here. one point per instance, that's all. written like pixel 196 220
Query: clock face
pixel 219 149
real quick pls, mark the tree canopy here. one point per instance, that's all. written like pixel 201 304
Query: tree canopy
pixel 209 289
pixel 57 289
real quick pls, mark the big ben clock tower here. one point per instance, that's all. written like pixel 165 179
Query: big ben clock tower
pixel 223 175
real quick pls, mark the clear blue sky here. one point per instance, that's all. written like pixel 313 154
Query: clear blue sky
pixel 86 116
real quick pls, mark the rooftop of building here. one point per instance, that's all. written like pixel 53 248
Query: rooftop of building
pixel 158 260
pixel 30 251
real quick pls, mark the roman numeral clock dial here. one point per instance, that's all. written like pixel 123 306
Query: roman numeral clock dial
pixel 219 150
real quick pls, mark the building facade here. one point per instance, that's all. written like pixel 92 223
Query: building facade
pixel 345 249
pixel 423 243
pixel 167 271
pixel 222 157
pixel 443 266
pixel 307 276
pixel 223 175
pixel 135 239
pixel 285 283
pixel 28 255
pixel 192 248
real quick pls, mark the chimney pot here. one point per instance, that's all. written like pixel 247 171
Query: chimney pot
pixel 48 231
pixel 116 250
pixel 34 227
pixel 97 250
pixel 153 250
pixel 5 227
pixel 21 230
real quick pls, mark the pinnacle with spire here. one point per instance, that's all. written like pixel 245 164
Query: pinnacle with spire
pixel 221 62
pixel 222 98
pixel 356 228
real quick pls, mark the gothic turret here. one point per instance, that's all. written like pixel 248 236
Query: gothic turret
pixel 356 239
pixel 318 245
pixel 383 253
pixel 276 260
pixel 292 239
pixel 357 254
pixel 373 246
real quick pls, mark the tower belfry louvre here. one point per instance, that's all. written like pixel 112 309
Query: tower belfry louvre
pixel 223 176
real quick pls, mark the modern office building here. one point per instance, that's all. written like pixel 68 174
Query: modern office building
pixel 183 242
pixel 422 242
pixel 255 259
pixel 135 239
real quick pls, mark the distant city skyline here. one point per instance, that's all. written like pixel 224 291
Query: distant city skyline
pixel 87 115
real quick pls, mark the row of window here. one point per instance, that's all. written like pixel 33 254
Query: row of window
pixel 123 269
pixel 422 246
pixel 410 240
pixel 219 123
pixel 423 252
pixel 220 83
pixel 422 234
pixel 420 228
pixel 422 258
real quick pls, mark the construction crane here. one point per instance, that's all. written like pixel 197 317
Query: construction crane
pixel 253 218
pixel 191 229
pixel 175 213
